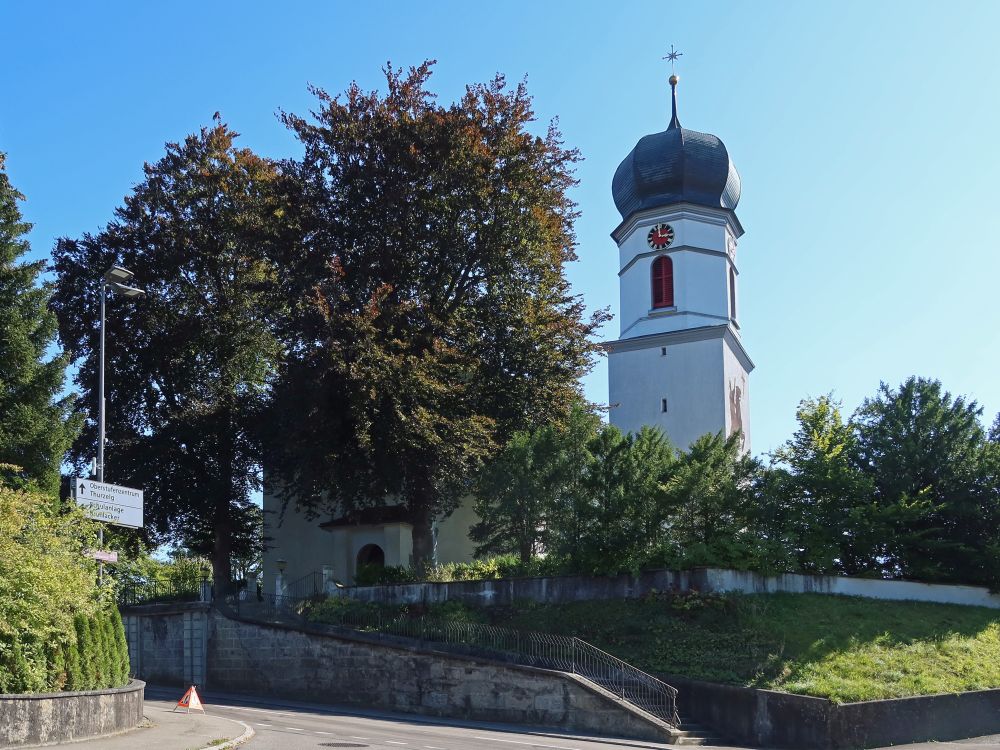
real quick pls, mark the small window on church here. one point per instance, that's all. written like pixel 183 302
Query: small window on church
pixel 663 405
pixel 732 293
pixel 663 351
pixel 663 282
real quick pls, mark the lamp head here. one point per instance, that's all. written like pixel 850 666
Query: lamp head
pixel 128 291
pixel 118 275
pixel 281 565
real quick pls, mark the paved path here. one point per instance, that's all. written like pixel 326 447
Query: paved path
pixel 167 730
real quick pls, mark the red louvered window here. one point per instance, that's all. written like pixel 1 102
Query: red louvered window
pixel 663 282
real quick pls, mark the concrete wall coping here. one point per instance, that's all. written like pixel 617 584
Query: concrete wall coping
pixel 132 686
pixel 166 608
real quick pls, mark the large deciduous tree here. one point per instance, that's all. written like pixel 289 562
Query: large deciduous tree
pixel 37 422
pixel 189 363
pixel 435 319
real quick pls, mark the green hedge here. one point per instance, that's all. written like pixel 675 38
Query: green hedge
pixel 92 657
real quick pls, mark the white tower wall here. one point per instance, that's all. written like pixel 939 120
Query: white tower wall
pixel 689 354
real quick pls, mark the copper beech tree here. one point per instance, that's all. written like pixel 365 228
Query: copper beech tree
pixel 432 315
pixel 189 363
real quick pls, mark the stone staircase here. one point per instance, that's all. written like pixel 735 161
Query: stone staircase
pixel 693 733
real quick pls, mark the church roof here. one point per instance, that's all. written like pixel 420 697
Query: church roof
pixel 676 166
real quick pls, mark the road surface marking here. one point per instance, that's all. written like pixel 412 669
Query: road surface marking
pixel 293 729
pixel 263 725
pixel 529 744
pixel 393 742
pixel 319 732
pixel 355 737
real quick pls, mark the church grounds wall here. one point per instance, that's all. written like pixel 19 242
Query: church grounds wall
pixel 287 662
pixel 560 589
pixel 773 719
pixel 281 661
pixel 39 719
pixel 168 643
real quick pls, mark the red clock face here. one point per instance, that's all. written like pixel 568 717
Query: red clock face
pixel 660 236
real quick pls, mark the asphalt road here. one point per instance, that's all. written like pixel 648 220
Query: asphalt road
pixel 294 725
pixel 291 725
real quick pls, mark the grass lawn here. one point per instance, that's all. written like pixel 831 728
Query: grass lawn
pixel 842 648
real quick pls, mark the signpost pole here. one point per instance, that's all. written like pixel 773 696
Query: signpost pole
pixel 100 427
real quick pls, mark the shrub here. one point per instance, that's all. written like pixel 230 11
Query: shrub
pixel 58 629
pixel 378 575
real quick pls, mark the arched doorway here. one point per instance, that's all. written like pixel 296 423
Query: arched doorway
pixel 371 555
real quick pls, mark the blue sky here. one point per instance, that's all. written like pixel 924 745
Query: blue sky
pixel 865 134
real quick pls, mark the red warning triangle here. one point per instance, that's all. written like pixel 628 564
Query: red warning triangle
pixel 190 700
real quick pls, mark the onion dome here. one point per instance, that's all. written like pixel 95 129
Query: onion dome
pixel 676 166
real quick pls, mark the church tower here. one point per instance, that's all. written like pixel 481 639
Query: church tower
pixel 678 363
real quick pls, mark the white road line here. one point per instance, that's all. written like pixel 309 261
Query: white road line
pixel 263 725
pixel 294 729
pixel 355 737
pixel 433 747
pixel 529 744
pixel 393 742
pixel 319 732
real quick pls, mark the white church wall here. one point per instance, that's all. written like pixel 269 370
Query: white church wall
pixel 688 376
pixel 453 543
pixel 302 544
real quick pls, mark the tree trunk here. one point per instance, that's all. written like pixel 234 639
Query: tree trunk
pixel 222 547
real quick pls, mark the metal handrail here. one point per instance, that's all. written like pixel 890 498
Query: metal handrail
pixel 529 648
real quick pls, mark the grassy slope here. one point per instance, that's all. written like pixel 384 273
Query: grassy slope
pixel 843 648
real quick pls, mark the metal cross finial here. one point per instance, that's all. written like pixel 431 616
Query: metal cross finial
pixel 672 57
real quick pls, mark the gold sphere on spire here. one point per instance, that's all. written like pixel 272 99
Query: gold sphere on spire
pixel 674 79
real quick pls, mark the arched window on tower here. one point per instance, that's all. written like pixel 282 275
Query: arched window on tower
pixel 663 282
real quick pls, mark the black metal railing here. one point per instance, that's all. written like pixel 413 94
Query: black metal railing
pixel 309 585
pixel 547 650
pixel 133 593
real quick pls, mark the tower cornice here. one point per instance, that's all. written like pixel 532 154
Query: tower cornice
pixel 720 216
pixel 683 336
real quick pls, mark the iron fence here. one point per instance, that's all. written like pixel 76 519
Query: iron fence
pixel 309 585
pixel 529 648
pixel 133 593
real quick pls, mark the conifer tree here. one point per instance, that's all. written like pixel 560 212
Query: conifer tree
pixel 37 425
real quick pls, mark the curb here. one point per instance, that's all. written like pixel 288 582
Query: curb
pixel 247 734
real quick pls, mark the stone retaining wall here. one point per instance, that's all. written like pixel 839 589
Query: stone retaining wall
pixel 282 661
pixel 557 589
pixel 168 643
pixel 773 719
pixel 34 720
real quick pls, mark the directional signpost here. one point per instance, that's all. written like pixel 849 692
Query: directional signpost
pixel 110 503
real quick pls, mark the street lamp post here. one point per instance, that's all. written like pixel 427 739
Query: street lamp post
pixel 115 278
